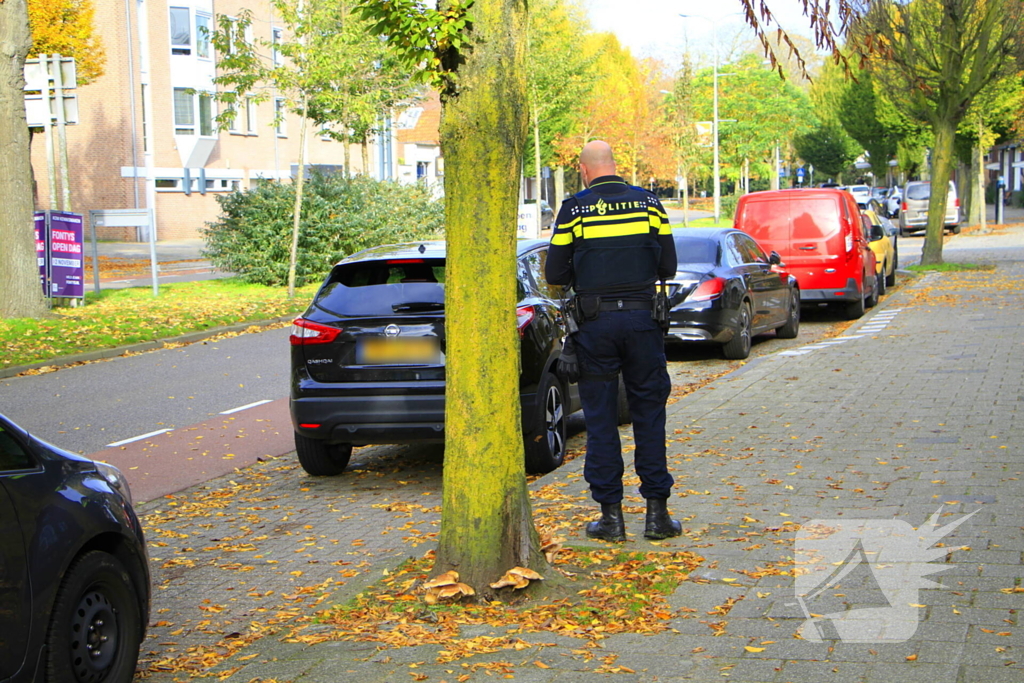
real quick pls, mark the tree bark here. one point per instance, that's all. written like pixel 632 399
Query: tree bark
pixel 487 524
pixel 21 295
pixel 941 171
pixel 293 255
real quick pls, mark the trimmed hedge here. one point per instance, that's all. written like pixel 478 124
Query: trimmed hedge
pixel 340 216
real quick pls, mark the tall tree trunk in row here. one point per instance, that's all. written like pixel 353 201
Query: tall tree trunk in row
pixel 942 171
pixel 487 524
pixel 21 294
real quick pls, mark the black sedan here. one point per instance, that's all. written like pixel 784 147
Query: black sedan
pixel 74 576
pixel 726 291
pixel 368 357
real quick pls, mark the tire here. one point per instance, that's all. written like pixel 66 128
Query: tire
pixel 738 347
pixel 881 279
pixel 322 459
pixel 624 418
pixel 854 309
pixel 872 299
pixel 890 280
pixel 791 330
pixel 96 625
pixel 545 442
pixel 955 229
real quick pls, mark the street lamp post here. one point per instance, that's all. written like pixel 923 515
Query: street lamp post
pixel 714 120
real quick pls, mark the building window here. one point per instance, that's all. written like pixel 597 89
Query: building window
pixel 185 106
pixel 168 184
pixel 203 33
pixel 181 31
pixel 205 114
pixel 277 36
pixel 250 116
pixel 279 117
pixel 184 112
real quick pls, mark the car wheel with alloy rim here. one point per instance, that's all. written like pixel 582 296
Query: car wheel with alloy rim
pixel 738 347
pixel 545 443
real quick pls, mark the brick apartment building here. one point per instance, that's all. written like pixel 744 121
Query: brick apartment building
pixel 144 141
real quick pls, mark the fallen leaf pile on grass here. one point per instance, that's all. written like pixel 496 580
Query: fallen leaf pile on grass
pixel 130 316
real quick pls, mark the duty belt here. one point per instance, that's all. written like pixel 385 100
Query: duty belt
pixel 626 305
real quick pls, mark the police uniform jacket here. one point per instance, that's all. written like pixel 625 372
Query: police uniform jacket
pixel 615 239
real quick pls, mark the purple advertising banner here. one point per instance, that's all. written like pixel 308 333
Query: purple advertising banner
pixel 62 253
pixel 40 227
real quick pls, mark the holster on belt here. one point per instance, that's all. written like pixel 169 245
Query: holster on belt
pixel 659 311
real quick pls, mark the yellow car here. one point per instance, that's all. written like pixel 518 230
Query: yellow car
pixel 882 240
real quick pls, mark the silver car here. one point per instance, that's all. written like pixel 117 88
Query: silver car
pixel 914 211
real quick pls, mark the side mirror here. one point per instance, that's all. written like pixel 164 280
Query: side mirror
pixel 877 233
pixel 774 258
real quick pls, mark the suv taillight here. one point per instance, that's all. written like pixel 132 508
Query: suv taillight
pixel 524 316
pixel 903 206
pixel 956 202
pixel 308 332
pixel 707 290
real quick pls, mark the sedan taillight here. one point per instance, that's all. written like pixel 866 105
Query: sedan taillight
pixel 707 290
pixel 306 332
pixel 524 316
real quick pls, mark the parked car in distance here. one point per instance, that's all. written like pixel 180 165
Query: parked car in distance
pixel 726 291
pixel 861 193
pixel 914 208
pixel 878 193
pixel 893 200
pixel 821 239
pixel 74 574
pixel 884 247
pixel 368 357
pixel 547 214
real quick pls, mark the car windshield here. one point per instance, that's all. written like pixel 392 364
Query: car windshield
pixel 922 191
pixel 696 250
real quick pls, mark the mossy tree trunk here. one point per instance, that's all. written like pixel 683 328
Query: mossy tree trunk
pixel 487 525
pixel 21 295
pixel 942 171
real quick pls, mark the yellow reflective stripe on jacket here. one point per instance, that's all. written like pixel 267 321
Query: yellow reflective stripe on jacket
pixel 614 226
pixel 561 239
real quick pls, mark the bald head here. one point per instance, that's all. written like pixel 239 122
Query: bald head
pixel 596 160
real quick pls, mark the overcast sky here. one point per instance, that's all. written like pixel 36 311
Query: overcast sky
pixel 653 28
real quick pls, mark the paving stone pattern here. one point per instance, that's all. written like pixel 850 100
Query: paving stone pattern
pixel 918 414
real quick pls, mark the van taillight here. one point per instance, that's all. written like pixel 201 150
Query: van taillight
pixel 956 202
pixel 903 206
pixel 707 290
pixel 305 332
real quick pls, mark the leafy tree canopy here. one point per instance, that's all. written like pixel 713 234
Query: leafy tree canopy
pixel 65 27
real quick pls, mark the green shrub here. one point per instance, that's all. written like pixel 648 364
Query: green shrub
pixel 340 216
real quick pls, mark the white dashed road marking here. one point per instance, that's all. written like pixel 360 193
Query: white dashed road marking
pixel 138 438
pixel 245 407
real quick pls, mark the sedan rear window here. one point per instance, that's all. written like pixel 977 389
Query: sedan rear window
pixel 385 287
pixel 696 250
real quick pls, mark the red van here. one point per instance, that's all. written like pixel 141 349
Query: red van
pixel 820 236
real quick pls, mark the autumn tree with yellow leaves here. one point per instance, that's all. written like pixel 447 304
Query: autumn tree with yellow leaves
pixel 65 27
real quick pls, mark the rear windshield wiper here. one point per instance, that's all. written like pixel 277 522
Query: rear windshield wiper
pixel 418 306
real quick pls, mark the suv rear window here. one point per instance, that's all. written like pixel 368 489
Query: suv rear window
pixel 386 287
pixel 922 191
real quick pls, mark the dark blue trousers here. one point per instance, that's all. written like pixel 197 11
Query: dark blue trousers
pixel 629 342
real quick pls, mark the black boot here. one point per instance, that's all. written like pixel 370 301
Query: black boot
pixel 659 523
pixel 611 526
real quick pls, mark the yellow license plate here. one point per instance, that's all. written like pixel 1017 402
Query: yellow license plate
pixel 387 351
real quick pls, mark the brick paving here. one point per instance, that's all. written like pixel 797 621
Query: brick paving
pixel 913 410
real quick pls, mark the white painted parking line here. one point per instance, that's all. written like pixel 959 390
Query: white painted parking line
pixel 138 438
pixel 794 352
pixel 245 407
pixel 851 336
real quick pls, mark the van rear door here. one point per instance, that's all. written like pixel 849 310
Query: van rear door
pixel 817 234
pixel 765 217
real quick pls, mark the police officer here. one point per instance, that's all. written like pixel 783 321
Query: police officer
pixel 612 242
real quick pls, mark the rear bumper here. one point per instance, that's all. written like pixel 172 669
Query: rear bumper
pixel 379 419
pixel 701 325
pixel 816 296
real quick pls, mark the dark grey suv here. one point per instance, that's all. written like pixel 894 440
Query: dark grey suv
pixel 368 357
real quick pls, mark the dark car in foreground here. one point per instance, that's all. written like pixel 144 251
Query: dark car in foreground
pixel 368 357
pixel 74 575
pixel 726 291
